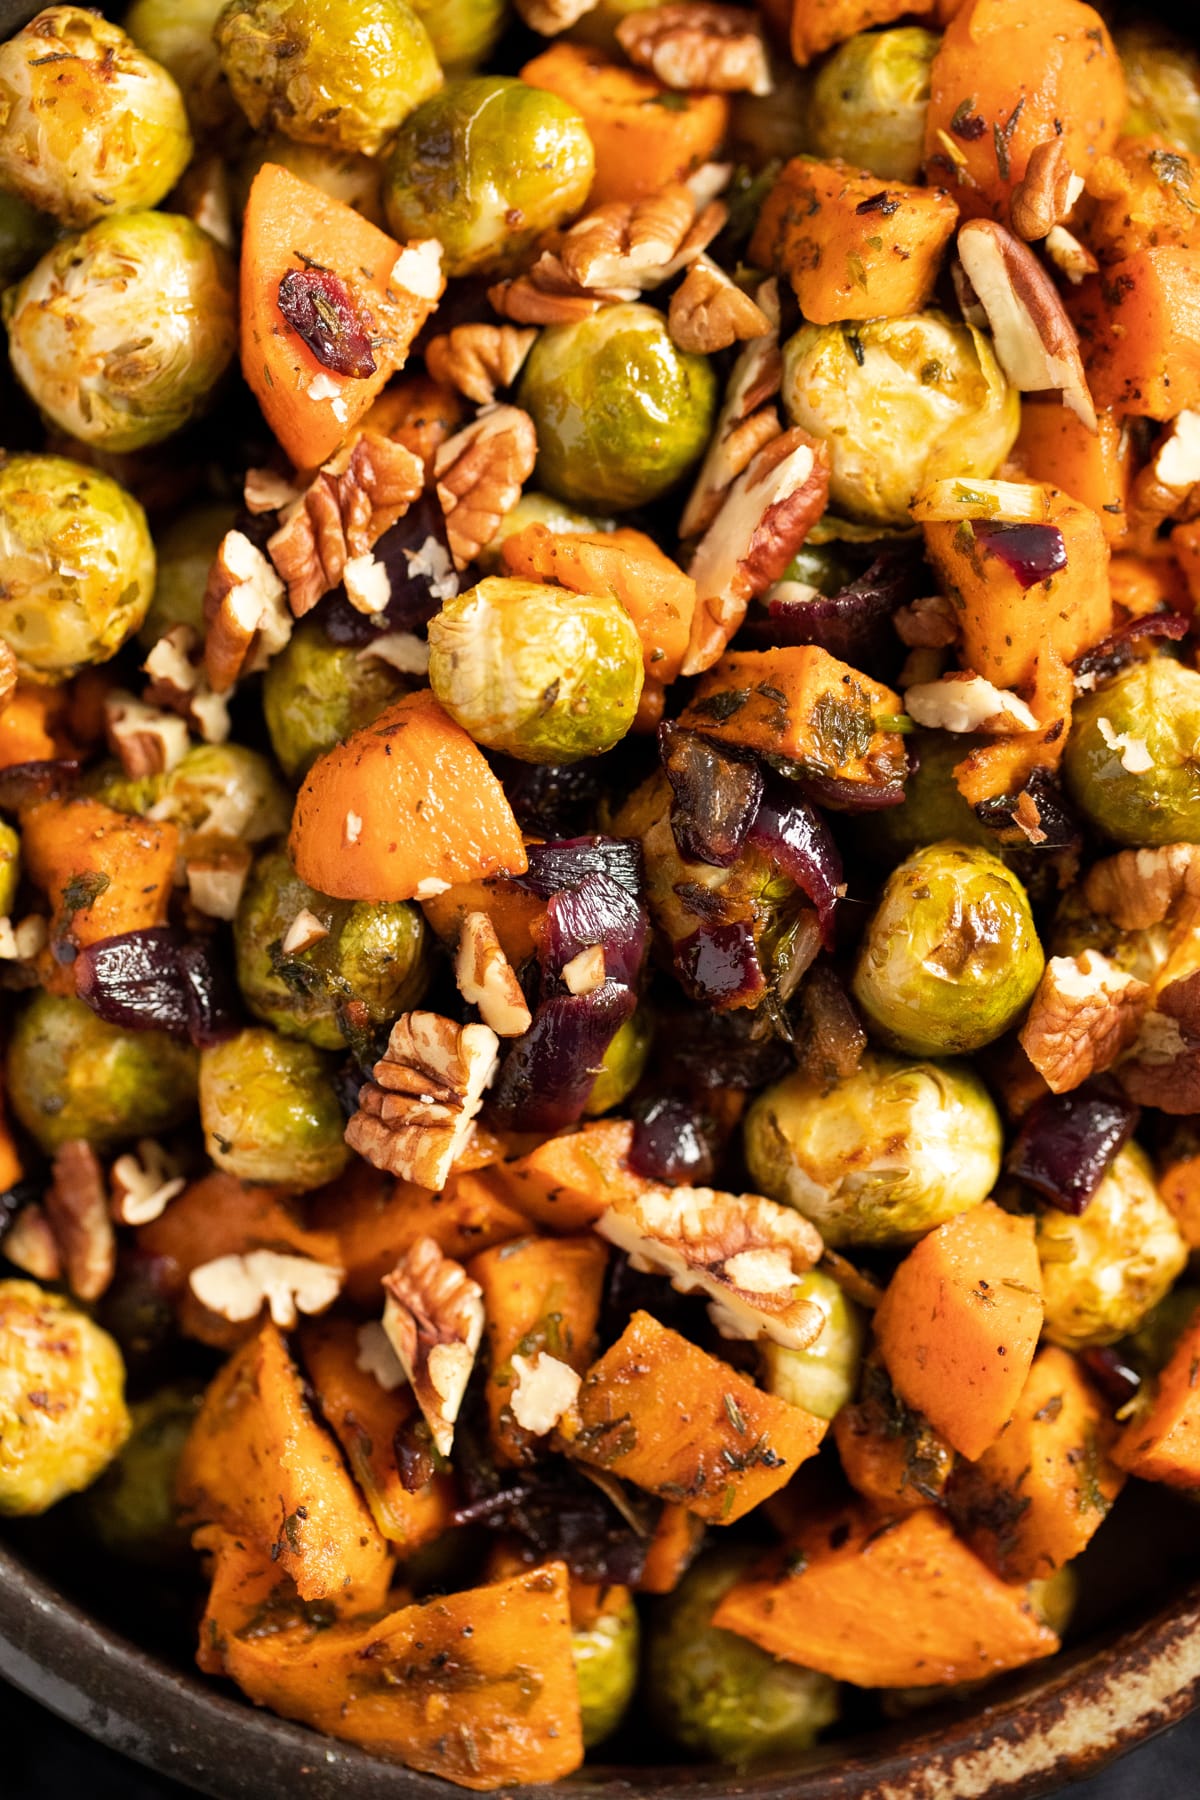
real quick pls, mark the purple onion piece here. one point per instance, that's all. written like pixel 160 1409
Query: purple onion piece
pixel 1108 1370
pixel 795 838
pixel 420 570
pixel 546 1077
pixel 157 980
pixel 598 911
pixel 24 784
pixel 1030 553
pixel 1116 651
pixel 855 623
pixel 213 1005
pixel 718 965
pixel 1066 1143
pixel 844 796
pixel 672 1143
pixel 716 795
pixel 563 863
pixel 319 306
pixel 551 800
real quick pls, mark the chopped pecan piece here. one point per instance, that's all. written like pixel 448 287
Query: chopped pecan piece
pixel 745 1252
pixel 8 674
pixel 626 246
pixel 479 360
pixel 178 682
pixel 354 499
pixel 709 312
pixel 524 301
pixel 1046 194
pixel 1069 256
pixel 142 1186
pixel 31 1246
pixel 244 611
pixel 237 1287
pixel 480 473
pixel 965 702
pixel 1036 343
pixel 76 1205
pixel 695 44
pixel 264 491
pixel 416 1115
pixel 748 418
pixel 1165 488
pixel 485 978
pixel 928 623
pixel 1085 1012
pixel 144 739
pixel 544 1390
pixel 549 17
pixel 433 1317
pixel 1163 1067
pixel 215 871
pixel 1139 888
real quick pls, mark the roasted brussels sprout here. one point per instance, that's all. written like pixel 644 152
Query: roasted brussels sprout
pixel 131 1510
pixel 1162 75
pixel 1130 762
pixel 1149 1347
pixel 88 125
pixel 1103 1270
pixel 932 808
pixel 606 1663
pixel 621 414
pixel 463 32
pixel 78 565
pixel 316 692
pixel 71 1075
pixel 717 1693
pixel 881 1158
pixel 342 77
pixel 537 509
pixel 824 1377
pixel 1075 929
pixel 185 551
pixel 899 402
pixel 951 955
pixel 538 672
pixel 62 1399
pixel 346 175
pixel 10 868
pixel 372 954
pixel 766 130
pixel 179 35
pixel 223 791
pixel 270 1112
pixel 24 234
pixel 487 166
pixel 869 101
pixel 120 333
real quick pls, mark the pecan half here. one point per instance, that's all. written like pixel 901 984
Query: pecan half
pixel 245 613
pixel 1069 256
pixel 479 360
pixel 1046 194
pixel 543 1391
pixel 1036 343
pixel 1163 1067
pixel 416 1115
pixel 695 44
pixel 928 623
pixel 76 1204
pixel 1140 888
pixel 354 499
pixel 433 1317
pixel 144 739
pixel 709 312
pixel 31 1246
pixel 237 1287
pixel 1166 487
pixel 1085 1012
pixel 746 1253
pixel 480 473
pixel 748 418
pixel 525 301
pixel 627 246
pixel 485 978
pixel 179 683
pixel 142 1186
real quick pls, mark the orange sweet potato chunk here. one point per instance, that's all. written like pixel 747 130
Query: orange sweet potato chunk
pixel 959 1323
pixel 1095 468
pixel 890 1455
pixel 1139 331
pixel 569 1181
pixel 1163 1442
pixel 674 1546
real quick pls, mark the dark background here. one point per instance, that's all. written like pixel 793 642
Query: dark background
pixel 43 1759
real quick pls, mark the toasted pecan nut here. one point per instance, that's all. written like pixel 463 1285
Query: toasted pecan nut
pixel 626 246
pixel 479 360
pixel 433 1317
pixel 1046 194
pixel 1036 343
pixel 179 683
pixel 238 1286
pixel 142 1185
pixel 549 17
pixel 144 739
pixel 928 623
pixel 748 418
pixel 353 500
pixel 1140 888
pixel 522 300
pixel 244 611
pixel 30 1245
pixel 485 978
pixel 694 44
pixel 416 1114
pixel 1085 1012
pixel 710 312
pixel 76 1204
pixel 480 473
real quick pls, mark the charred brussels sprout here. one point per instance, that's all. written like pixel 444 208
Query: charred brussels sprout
pixel 1103 1270
pixel 71 1075
pixel 24 234
pixel 621 414
pixel 870 98
pixel 185 551
pixel 824 1377
pixel 77 561
pixel 52 1355
pixel 223 791
pixel 882 1157
pixel 131 1510
pixel 371 954
pixel 120 333
pixel 1162 75
pixel 316 692
pixel 1133 756
pixel 951 955
pixel 538 672
pixel 899 402
pixel 718 1694
pixel 487 166
pixel 342 76
pixel 10 868
pixel 89 126
pixel 606 1663
pixel 270 1112
pixel 179 35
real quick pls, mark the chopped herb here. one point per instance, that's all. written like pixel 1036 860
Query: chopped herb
pixel 735 1415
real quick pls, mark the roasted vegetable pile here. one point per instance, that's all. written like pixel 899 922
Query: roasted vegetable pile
pixel 599 845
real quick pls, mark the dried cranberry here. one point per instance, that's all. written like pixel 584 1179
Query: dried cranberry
pixel 318 304
pixel 1030 553
pixel 672 1142
pixel 1067 1142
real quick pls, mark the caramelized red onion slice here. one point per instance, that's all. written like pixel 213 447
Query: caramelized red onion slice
pixel 718 965
pixel 545 1078
pixel 793 836
pixel 1066 1143
pixel 855 623
pixel 1116 651
pixel 158 980
pixel 716 795
pixel 563 863
pixel 597 911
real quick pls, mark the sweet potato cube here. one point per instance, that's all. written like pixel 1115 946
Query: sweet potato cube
pixel 1139 330
pixel 660 1412
pixel 569 1181
pixel 1095 468
pixel 365 1418
pixel 1144 195
pixel 539 1293
pixel 959 1323
pixel 103 871
pixel 890 1455
pixel 851 246
pixel 1162 1443
pixel 258 1463
pixel 817 25
pixel 1179 1186
pixel 512 909
pixel 674 1546
pixel 898 1604
pixel 1035 1497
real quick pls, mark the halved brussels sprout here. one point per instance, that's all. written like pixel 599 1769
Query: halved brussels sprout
pixel 185 550
pixel 824 1377
pixel 538 672
pixel 88 125
pixel 621 414
pixel 223 791
pixel 373 955
pixel 62 1399
pixel 131 1510
pixel 718 1694
pixel 270 1111
pixel 899 402
pixel 1133 756
pixel 1103 1270
pixel 487 166
pixel 120 333
pixel 1162 75
pixel 870 98
pixel 77 561
pixel 71 1075
pixel 10 868
pixel 882 1157
pixel 606 1664
pixel 346 76
pixel 25 234
pixel 951 955
pixel 179 35
pixel 316 692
